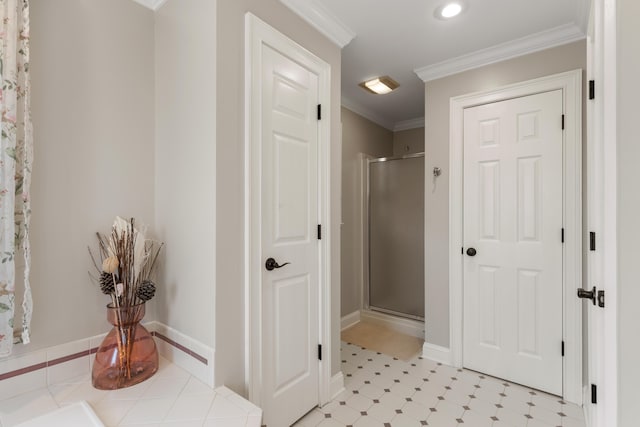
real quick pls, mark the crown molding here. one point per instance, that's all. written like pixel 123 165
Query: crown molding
pixel 363 111
pixel 151 4
pixel 543 40
pixel 583 13
pixel 316 14
pixel 416 123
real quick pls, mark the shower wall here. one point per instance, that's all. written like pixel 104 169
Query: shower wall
pixel 409 141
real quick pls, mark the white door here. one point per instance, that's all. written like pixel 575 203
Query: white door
pixel 513 160
pixel 290 213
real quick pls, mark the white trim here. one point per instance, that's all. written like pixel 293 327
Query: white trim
pixel 570 83
pixel 437 353
pixel 323 20
pixel 415 328
pixel 336 385
pixel 257 33
pixel 409 124
pixel 349 320
pixel 587 410
pixel 366 113
pixel 533 43
pixel 151 4
pixel 606 62
pixel 583 12
pixel 195 367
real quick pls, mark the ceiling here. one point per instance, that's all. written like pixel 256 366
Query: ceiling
pixel 403 39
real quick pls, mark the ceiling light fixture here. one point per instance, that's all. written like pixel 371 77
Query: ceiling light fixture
pixel 449 10
pixel 380 85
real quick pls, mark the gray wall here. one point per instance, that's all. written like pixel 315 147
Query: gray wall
pixel 437 96
pixel 185 182
pixel 229 306
pixel 408 141
pixel 359 135
pixel 92 104
pixel 628 111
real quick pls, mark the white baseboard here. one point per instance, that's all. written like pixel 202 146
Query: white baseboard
pixel 336 386
pixel 186 352
pixel 437 353
pixel 349 320
pixel 414 328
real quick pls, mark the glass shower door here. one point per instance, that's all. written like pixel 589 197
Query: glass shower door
pixel 396 236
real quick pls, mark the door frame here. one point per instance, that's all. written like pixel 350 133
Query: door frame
pixel 602 212
pixel 571 85
pixel 257 34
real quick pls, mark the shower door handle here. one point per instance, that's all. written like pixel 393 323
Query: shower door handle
pixel 471 252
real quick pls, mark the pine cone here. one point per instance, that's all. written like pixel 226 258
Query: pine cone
pixel 146 290
pixel 107 286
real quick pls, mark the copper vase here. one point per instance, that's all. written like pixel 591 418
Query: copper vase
pixel 128 354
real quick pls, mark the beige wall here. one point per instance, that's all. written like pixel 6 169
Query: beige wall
pixel 408 141
pixel 628 111
pixel 437 96
pixel 92 103
pixel 185 179
pixel 229 307
pixel 359 135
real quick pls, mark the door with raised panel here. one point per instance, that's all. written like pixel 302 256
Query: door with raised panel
pixel 289 205
pixel 513 273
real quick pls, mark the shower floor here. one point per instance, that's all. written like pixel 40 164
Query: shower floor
pixel 383 339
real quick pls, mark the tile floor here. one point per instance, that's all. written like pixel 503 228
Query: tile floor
pixel 171 398
pixel 381 391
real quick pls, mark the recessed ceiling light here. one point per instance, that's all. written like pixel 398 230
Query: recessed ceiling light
pixel 449 10
pixel 380 85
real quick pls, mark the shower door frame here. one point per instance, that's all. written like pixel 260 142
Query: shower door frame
pixel 366 238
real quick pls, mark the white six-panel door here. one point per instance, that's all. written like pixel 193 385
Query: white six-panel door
pixel 289 224
pixel 513 201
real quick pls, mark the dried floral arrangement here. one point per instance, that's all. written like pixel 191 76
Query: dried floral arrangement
pixel 126 263
pixel 128 354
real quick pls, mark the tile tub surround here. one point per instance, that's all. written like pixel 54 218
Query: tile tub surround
pixel 39 369
pixel 172 397
pixel 381 391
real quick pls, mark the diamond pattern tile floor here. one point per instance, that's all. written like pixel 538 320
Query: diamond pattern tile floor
pixel 384 391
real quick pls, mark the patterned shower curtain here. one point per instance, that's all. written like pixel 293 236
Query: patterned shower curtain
pixel 16 154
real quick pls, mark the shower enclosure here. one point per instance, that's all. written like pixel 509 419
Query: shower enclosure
pixel 396 236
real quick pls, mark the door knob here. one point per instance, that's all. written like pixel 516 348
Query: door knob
pixel 271 263
pixel 582 293
pixel 471 252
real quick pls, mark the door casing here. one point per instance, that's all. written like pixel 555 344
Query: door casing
pixel 571 85
pixel 602 213
pixel 258 33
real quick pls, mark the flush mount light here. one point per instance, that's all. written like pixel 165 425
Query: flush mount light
pixel 449 10
pixel 380 85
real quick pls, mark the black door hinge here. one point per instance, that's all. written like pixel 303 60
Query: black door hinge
pixel 592 89
pixel 592 241
pixel 562 349
pixel 319 112
pixel 319 232
pixel 563 122
pixel 562 235
pixel 594 393
pixel 319 351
